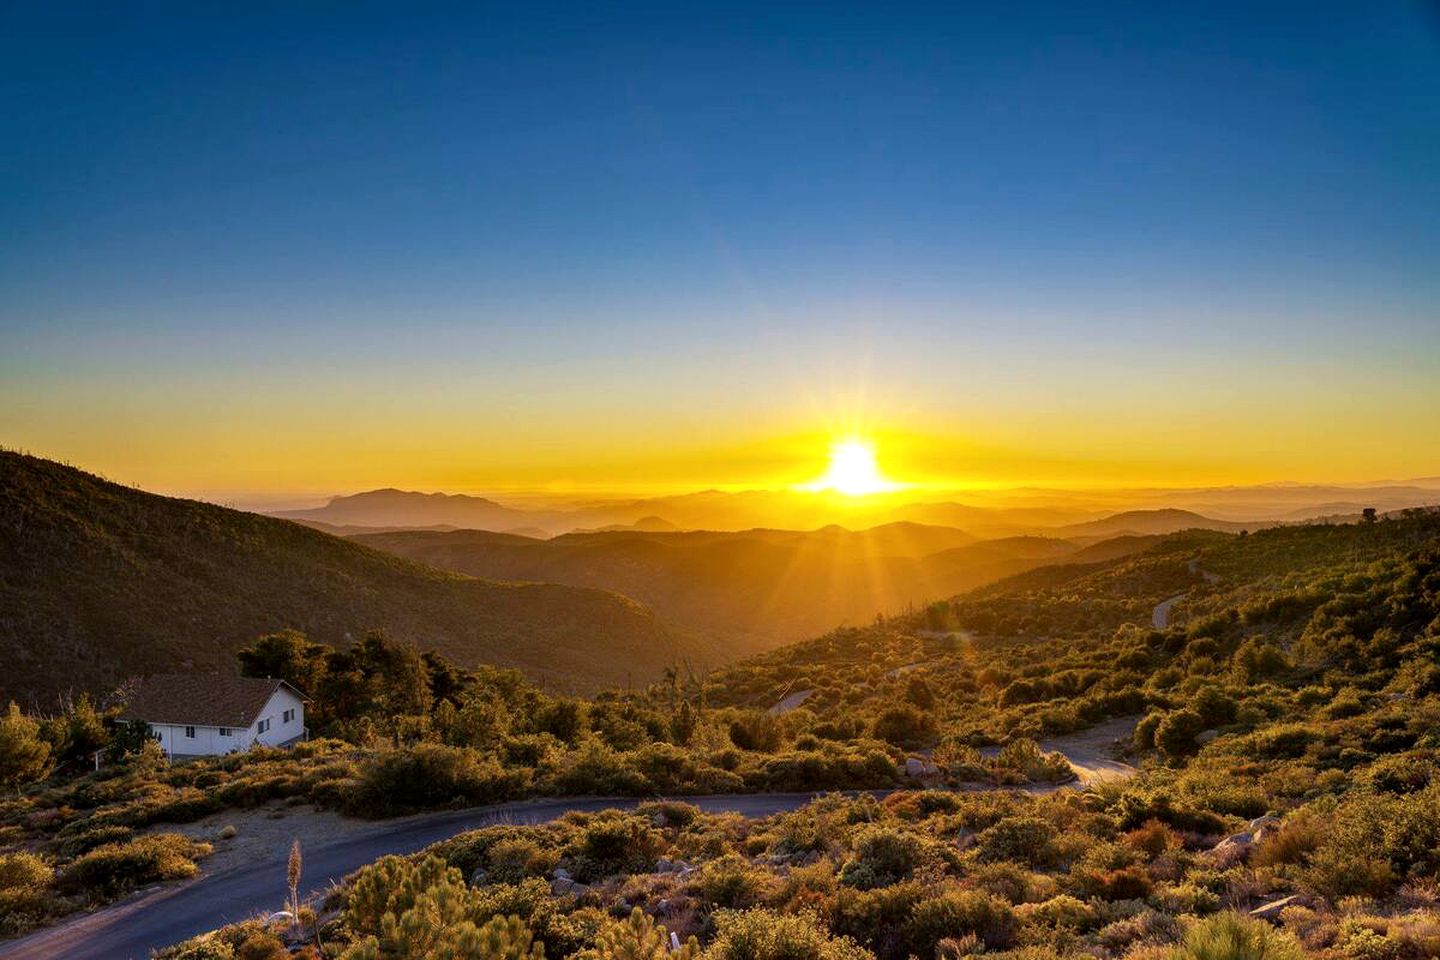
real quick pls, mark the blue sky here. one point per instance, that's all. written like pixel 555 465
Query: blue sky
pixel 423 196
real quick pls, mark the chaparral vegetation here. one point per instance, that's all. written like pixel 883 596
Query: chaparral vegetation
pixel 1286 735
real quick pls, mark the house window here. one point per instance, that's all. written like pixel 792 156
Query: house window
pixel 224 731
pixel 288 716
pixel 189 733
pixel 264 725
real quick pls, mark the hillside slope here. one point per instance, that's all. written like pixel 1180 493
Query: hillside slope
pixel 753 589
pixel 99 581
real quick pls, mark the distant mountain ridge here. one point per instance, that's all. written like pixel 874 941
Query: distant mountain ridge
pixel 993 515
pixel 100 581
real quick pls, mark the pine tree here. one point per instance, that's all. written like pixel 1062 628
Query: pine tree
pixel 24 755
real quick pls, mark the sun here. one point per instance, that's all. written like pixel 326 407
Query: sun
pixel 853 470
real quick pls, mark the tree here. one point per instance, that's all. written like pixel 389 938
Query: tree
pixel 1368 515
pixel 287 655
pixel 24 755
pixel 639 938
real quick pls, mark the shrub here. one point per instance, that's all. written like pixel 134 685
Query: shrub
pixel 883 856
pixel 1144 736
pixel 1060 912
pixel 731 881
pixel 958 914
pixel 1229 936
pixel 1175 735
pixel 1127 883
pixel 638 938
pixel 905 726
pixel 25 882
pixel 755 730
pixel 611 845
pixel 765 935
pixel 261 946
pixel 430 775
pixel 116 867
pixel 391 886
pixel 1026 839
pixel 1025 757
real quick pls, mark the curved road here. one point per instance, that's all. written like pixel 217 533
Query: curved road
pixel 1160 618
pixel 165 915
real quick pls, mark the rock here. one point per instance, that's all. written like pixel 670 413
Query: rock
pixel 560 873
pixel 666 865
pixel 1271 911
pixel 1205 736
pixel 280 916
pixel 1262 827
pixel 916 767
pixel 1234 848
pixel 561 886
pixel 480 877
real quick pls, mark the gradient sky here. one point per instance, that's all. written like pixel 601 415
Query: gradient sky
pixel 255 251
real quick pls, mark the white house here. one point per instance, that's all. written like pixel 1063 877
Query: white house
pixel 194 715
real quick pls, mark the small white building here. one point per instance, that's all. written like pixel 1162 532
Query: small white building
pixel 197 715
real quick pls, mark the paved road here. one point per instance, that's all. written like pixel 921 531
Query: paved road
pixel 163 916
pixel 1161 615
pixel 791 702
pixel 166 915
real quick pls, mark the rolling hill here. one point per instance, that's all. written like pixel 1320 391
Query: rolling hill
pixel 758 588
pixel 99 581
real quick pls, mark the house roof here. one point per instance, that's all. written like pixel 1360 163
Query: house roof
pixel 201 700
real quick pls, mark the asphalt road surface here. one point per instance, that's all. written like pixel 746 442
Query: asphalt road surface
pixel 160 917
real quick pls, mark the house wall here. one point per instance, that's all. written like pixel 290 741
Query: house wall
pixel 280 732
pixel 207 740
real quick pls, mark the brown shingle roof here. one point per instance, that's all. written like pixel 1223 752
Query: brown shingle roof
pixel 202 700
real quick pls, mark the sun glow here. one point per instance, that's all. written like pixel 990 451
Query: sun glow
pixel 854 470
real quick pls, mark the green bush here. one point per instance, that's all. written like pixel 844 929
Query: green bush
pixel 883 856
pixel 764 935
pixel 612 844
pixel 1028 840
pixel 430 775
pixel 906 726
pixel 115 868
pixel 1176 733
pixel 958 914
pixel 732 881
pixel 1229 936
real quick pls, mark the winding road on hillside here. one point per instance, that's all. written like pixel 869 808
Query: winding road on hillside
pixel 165 915
pixel 1160 617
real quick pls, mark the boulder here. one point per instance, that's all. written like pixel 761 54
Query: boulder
pixel 1234 848
pixel 666 865
pixel 561 886
pixel 1271 911
pixel 917 767
pixel 1205 736
pixel 1262 827
pixel 480 877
